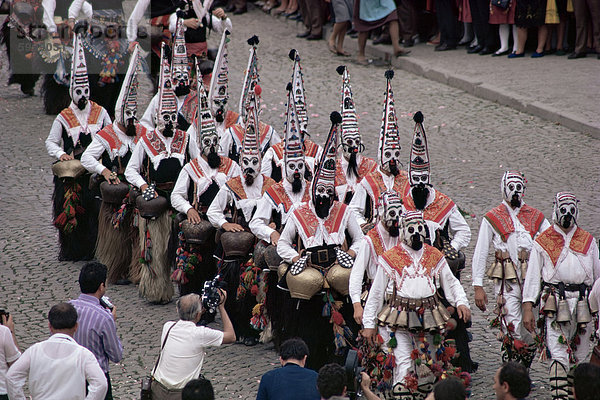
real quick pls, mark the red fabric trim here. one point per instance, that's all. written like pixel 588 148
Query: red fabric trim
pixel 436 211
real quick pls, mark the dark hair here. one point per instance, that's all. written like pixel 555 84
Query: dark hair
pixel 586 381
pixel 449 389
pixel 517 377
pixel 91 276
pixel 293 348
pixel 198 389
pixel 331 380
pixel 62 316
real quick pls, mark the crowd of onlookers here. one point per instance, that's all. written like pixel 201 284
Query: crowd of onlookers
pixel 486 27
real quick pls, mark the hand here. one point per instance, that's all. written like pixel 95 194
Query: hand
pixel 365 382
pixel 528 319
pixel 71 25
pixel 114 312
pixel 192 23
pixel 480 298
pixel 110 178
pixel 351 253
pixel 131 46
pixel 358 313
pixel 143 187
pixel 219 13
pixel 295 259
pixel 8 322
pixel 193 216
pixel 231 227
pixel 223 297
pixel 272 225
pixel 369 334
pixel 275 238
pixel 66 157
pixel 464 313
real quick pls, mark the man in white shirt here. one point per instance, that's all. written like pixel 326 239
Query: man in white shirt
pixel 9 350
pixel 185 345
pixel 563 267
pixel 58 368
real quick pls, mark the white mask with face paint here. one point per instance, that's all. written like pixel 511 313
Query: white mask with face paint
pixel 513 188
pixel 566 210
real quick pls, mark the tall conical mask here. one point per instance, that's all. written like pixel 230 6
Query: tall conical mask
pixel 419 169
pixel 349 133
pixel 126 107
pixel 206 130
pixel 167 103
pixel 250 154
pixel 219 82
pixel 389 137
pixel 323 183
pixel 299 94
pixel 251 78
pixel 179 61
pixel 293 149
pixel 79 83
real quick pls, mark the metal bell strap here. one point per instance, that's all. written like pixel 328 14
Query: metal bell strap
pixel 563 313
pixel 385 312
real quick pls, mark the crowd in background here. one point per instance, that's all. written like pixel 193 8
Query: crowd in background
pixel 484 27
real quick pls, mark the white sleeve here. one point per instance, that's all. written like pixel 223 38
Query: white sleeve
pixel 266 167
pixel 105 118
pixel 358 203
pixel 357 275
pixel 375 299
pixel 259 224
pixel 595 260
pixel 460 229
pixel 543 226
pixel 225 143
pixel 219 204
pixel 95 378
pixel 219 25
pixel 75 8
pixel 486 234
pixel 48 18
pixel 134 19
pixel 148 118
pixel 284 246
pixel 173 23
pixel 17 376
pixel 54 144
pixel 274 137
pixel 193 150
pixel 87 10
pixel 90 157
pixel 179 196
pixel 533 279
pixel 453 290
pixel 209 337
pixel 355 232
pixel 132 172
pixel 594 298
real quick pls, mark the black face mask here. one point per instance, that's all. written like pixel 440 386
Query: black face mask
pixel 297 183
pixel 220 115
pixel 393 230
pixel 322 206
pixel 213 159
pixel 415 242
pixel 567 221
pixel 168 131
pixel 515 201
pixel 352 167
pixel 182 90
pixel 82 103
pixel 394 168
pixel 248 176
pixel 130 129
pixel 420 194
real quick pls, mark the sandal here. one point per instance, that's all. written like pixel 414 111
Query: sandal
pixel 343 53
pixel 366 62
pixel 332 48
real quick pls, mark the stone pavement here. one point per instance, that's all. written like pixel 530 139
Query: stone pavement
pixel 472 142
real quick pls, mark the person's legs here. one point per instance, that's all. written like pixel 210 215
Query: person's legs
pixel 362 43
pixel 282 7
pixel 542 35
pixel 560 33
pixel 581 25
pixel 594 10
pixel 394 28
pixel 504 32
pixel 343 26
pixel 515 36
pixel 109 395
pixel 521 39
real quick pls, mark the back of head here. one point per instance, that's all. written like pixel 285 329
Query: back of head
pixel 517 377
pixel 449 389
pixel 62 316
pixel 586 381
pixel 188 307
pixel 92 274
pixel 331 380
pixel 198 389
pixel 293 349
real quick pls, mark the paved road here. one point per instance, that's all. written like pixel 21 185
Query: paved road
pixel 471 143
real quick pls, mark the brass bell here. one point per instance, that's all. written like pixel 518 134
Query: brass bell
pixel 437 317
pixel 428 321
pixel 583 313
pixel 444 312
pixel 383 314
pixel 563 314
pixel 402 320
pixel 510 274
pixel 414 324
pixel 550 305
pixel 497 272
pixel 392 316
pixel 363 297
pixel 593 305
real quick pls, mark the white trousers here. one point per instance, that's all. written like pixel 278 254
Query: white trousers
pixel 513 297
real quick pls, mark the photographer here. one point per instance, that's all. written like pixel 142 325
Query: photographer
pixel 9 349
pixel 184 345
pixel 331 383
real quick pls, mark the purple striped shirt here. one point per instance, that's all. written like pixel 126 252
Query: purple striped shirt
pixel 97 330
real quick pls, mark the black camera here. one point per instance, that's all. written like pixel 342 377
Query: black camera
pixel 6 315
pixel 353 375
pixel 211 298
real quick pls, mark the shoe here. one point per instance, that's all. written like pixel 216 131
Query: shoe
pixel 297 17
pixel 444 47
pixel 251 341
pixel 314 37
pixel 573 56
pixel 535 54
pixel 303 35
pixel 239 11
pixel 515 55
pixel 560 52
pixel 486 51
pixel 501 53
pixel 464 42
pixel 291 15
pixel 383 39
pixel 401 53
pixel 474 50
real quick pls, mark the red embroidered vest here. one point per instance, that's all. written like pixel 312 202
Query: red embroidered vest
pixel 309 222
pixel 398 258
pixel 436 211
pixel 278 195
pixel 237 188
pixel 553 242
pixel 500 219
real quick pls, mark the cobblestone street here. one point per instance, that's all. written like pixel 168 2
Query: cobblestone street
pixel 471 143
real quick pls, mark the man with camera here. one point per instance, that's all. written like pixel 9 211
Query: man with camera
pixel 96 318
pixel 332 383
pixel 184 343
pixel 9 349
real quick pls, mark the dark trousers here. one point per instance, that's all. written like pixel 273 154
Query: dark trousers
pixel 312 15
pixel 480 11
pixel 586 11
pixel 109 395
pixel 447 21
pixel 407 12
pixel 3 397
